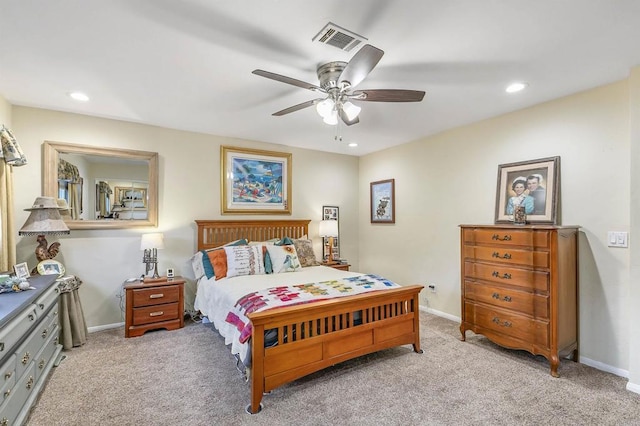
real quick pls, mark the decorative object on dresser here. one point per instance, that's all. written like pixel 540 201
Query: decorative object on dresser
pixel 520 288
pixel 328 230
pixel 383 201
pixel 28 346
pixel 255 181
pixel 532 185
pixel 44 219
pixel 155 305
pixel 150 243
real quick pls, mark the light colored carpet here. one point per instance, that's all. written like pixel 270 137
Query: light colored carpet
pixel 188 377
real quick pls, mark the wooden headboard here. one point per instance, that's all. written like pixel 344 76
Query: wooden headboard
pixel 215 233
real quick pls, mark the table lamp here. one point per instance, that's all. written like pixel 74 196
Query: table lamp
pixel 43 220
pixel 329 229
pixel 150 243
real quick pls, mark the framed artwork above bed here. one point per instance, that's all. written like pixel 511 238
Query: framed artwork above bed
pixel 255 181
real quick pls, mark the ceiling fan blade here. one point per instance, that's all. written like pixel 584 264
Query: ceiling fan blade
pixel 288 80
pixel 361 65
pixel 296 107
pixel 343 116
pixel 388 95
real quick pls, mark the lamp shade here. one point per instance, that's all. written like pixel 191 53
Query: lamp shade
pixel 44 219
pixel 152 241
pixel 328 228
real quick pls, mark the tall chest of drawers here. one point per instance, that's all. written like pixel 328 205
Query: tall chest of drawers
pixel 520 288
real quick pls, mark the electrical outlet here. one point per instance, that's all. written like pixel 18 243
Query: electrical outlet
pixel 432 287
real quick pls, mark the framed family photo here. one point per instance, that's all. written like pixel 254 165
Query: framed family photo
pixel 21 270
pixel 383 203
pixel 533 184
pixel 255 181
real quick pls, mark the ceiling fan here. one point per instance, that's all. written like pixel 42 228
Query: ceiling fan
pixel 337 81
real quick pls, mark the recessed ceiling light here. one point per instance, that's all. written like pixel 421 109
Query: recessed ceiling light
pixel 79 96
pixel 352 145
pixel 516 87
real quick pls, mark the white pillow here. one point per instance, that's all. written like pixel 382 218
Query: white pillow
pixel 284 258
pixel 244 260
pixel 196 264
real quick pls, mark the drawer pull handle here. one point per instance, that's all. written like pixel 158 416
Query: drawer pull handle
pixel 6 394
pixel 156 296
pixel 8 375
pixel 44 333
pixel 156 314
pixel 41 305
pixel 4 421
pixel 30 382
pixel 497 296
pixel 501 323
pixel 504 256
pixel 25 358
pixel 1 346
pixel 41 364
pixel 505 276
pixel 498 238
pixel 31 317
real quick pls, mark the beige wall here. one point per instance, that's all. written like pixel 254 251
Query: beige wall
pixel 5 112
pixel 189 189
pixel 450 179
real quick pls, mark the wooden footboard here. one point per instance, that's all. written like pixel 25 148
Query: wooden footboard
pixel 313 337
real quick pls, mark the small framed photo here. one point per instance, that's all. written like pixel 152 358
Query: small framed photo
pixel 533 184
pixel 383 202
pixel 21 270
pixel 50 267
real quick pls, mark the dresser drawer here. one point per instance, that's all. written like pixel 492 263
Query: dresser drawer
pixel 8 379
pixel 48 299
pixel 508 323
pixel 156 313
pixel 11 334
pixel 14 402
pixel 506 275
pixel 45 356
pixel 535 305
pixel 506 237
pixel 508 256
pixel 156 295
pixel 27 351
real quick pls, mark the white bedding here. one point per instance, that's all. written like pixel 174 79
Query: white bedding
pixel 215 299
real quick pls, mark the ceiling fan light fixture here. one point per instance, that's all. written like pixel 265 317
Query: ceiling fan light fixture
pixel 331 118
pixel 351 110
pixel 325 107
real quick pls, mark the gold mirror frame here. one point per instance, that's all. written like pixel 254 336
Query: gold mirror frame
pixel 52 150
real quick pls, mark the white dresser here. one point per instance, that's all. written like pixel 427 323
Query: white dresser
pixel 28 346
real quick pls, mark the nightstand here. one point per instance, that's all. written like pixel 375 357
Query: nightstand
pixel 154 305
pixel 340 266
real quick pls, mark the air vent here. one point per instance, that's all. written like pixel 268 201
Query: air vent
pixel 339 37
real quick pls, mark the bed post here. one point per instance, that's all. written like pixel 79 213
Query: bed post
pixel 416 321
pixel 257 369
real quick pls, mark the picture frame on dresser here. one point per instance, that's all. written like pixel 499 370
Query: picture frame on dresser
pixel 534 184
pixel 383 201
pixel 21 270
pixel 255 181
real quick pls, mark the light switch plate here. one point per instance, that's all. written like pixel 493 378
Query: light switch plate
pixel 618 239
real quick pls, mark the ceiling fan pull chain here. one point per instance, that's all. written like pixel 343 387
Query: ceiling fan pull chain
pixel 337 137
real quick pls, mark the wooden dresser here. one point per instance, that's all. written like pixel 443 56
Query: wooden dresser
pixel 519 287
pixel 154 305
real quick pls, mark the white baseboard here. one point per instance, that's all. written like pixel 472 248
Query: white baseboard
pixel 104 327
pixel 633 387
pixel 586 361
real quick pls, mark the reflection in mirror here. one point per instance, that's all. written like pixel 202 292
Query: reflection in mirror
pixel 104 187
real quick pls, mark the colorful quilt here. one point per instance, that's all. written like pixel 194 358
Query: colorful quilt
pixel 276 297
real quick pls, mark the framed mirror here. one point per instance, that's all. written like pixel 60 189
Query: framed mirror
pixel 104 188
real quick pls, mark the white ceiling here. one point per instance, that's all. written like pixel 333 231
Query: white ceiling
pixel 187 64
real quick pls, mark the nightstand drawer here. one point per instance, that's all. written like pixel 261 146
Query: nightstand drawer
pixel 156 295
pixel 156 313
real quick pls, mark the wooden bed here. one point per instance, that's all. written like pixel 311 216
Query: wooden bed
pixel 389 318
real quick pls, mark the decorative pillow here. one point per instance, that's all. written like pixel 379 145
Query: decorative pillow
pixel 284 258
pixel 306 256
pixel 219 261
pixel 264 243
pixel 207 263
pixel 285 241
pixel 197 265
pixel 244 260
